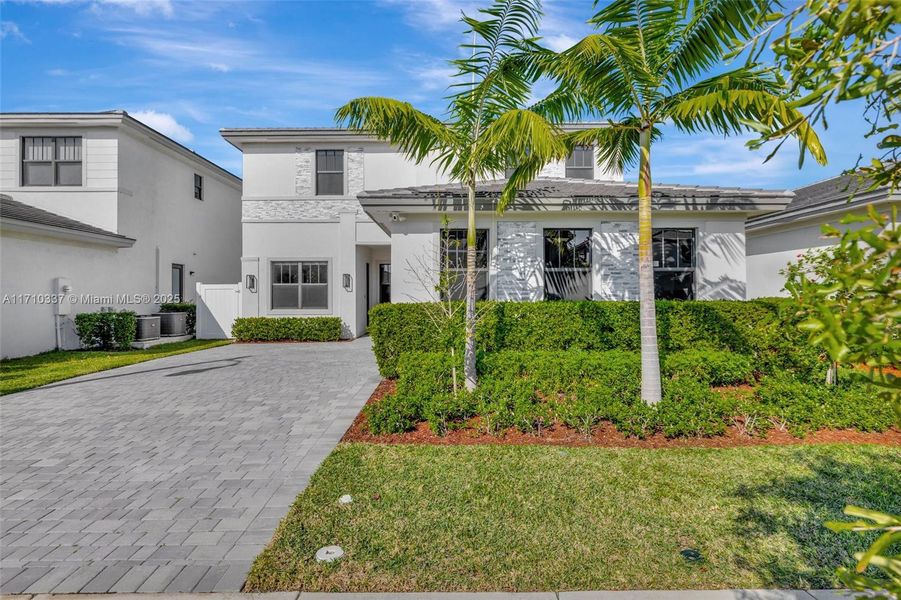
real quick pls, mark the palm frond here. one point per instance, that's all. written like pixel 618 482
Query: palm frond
pixel 416 133
pixel 647 25
pixel 707 33
pixel 742 100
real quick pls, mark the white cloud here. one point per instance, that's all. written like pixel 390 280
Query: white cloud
pixel 8 29
pixel 165 124
pixel 143 8
pixel 560 42
pixel 434 77
pixel 220 67
pixel 715 158
pixel 434 15
pixel 58 72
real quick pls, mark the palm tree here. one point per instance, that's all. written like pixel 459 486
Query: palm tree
pixel 487 128
pixel 651 63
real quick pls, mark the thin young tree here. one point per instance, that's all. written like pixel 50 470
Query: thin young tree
pixel 653 63
pixel 488 125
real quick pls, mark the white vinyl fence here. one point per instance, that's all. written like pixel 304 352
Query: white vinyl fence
pixel 218 305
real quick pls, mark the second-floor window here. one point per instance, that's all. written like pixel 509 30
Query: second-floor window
pixel 198 186
pixel 580 164
pixel 51 161
pixel 330 172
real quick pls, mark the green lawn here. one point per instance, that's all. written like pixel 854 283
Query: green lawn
pixel 545 518
pixel 19 374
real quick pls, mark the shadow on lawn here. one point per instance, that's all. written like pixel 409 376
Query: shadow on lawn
pixel 814 499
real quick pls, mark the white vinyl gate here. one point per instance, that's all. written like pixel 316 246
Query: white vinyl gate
pixel 218 305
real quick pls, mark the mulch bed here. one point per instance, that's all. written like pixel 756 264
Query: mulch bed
pixel 605 435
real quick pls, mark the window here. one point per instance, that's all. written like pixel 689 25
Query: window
pixel 674 264
pixel 300 285
pixel 198 186
pixel 330 172
pixel 453 258
pixel 580 164
pixel 51 161
pixel 567 264
pixel 178 282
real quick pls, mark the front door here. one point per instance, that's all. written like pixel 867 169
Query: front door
pixel 366 295
pixel 385 283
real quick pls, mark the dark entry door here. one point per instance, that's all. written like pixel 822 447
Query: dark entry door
pixel 366 295
pixel 385 283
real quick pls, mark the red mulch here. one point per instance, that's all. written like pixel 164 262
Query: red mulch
pixel 604 435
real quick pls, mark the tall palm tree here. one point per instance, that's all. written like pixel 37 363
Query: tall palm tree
pixel 653 62
pixel 488 126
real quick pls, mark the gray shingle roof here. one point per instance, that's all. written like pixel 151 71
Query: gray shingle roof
pixel 13 210
pixel 551 190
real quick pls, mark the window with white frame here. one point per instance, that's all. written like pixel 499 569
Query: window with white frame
pixel 567 264
pixel 300 285
pixel 198 186
pixel 51 161
pixel 330 172
pixel 580 164
pixel 674 264
pixel 453 260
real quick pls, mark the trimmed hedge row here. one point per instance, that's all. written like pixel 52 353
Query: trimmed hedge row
pixel 295 329
pixel 107 330
pixel 762 329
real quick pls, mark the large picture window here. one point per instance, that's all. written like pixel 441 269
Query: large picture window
pixel 580 164
pixel 300 285
pixel 567 264
pixel 51 161
pixel 674 264
pixel 330 172
pixel 453 258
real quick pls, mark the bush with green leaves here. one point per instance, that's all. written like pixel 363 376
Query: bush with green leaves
pixel 188 308
pixel 393 414
pixel 106 330
pixel 587 407
pixel 287 329
pixel 712 367
pixel 763 329
pixel 690 409
pixel 445 412
pixel 425 374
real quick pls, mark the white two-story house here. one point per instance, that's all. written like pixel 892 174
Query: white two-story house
pixel 102 211
pixel 335 222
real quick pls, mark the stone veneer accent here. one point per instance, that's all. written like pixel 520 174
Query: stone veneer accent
pixel 618 261
pixel 300 209
pixel 305 171
pixel 518 261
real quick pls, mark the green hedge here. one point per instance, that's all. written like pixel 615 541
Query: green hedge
pixel 710 367
pixel 107 330
pixel 185 307
pixel 295 329
pixel 763 329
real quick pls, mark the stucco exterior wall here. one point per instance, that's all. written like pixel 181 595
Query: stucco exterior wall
pixel 148 197
pixel 770 252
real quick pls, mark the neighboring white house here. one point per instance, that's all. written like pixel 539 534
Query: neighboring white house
pixel 776 239
pixel 335 222
pixel 113 211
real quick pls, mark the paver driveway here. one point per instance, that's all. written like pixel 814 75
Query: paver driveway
pixel 170 475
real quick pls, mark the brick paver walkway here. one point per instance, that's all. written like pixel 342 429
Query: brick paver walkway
pixel 171 475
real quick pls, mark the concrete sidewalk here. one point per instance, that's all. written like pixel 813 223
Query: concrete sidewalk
pixel 597 595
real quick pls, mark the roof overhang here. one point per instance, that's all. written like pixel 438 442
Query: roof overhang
pixel 239 137
pixel 817 211
pixel 101 239
pixel 569 196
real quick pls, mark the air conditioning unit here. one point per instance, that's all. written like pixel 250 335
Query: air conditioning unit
pixel 173 323
pixel 148 329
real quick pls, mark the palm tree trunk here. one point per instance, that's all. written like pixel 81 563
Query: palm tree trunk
pixel 469 352
pixel 650 360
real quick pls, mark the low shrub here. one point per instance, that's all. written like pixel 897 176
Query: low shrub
pixel 185 307
pixel 106 330
pixel 295 329
pixel 501 403
pixel 552 372
pixel 690 409
pixel 712 367
pixel 585 409
pixel 446 411
pixel 393 414
pixel 426 374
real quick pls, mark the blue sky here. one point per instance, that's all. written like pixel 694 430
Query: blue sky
pixel 190 68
